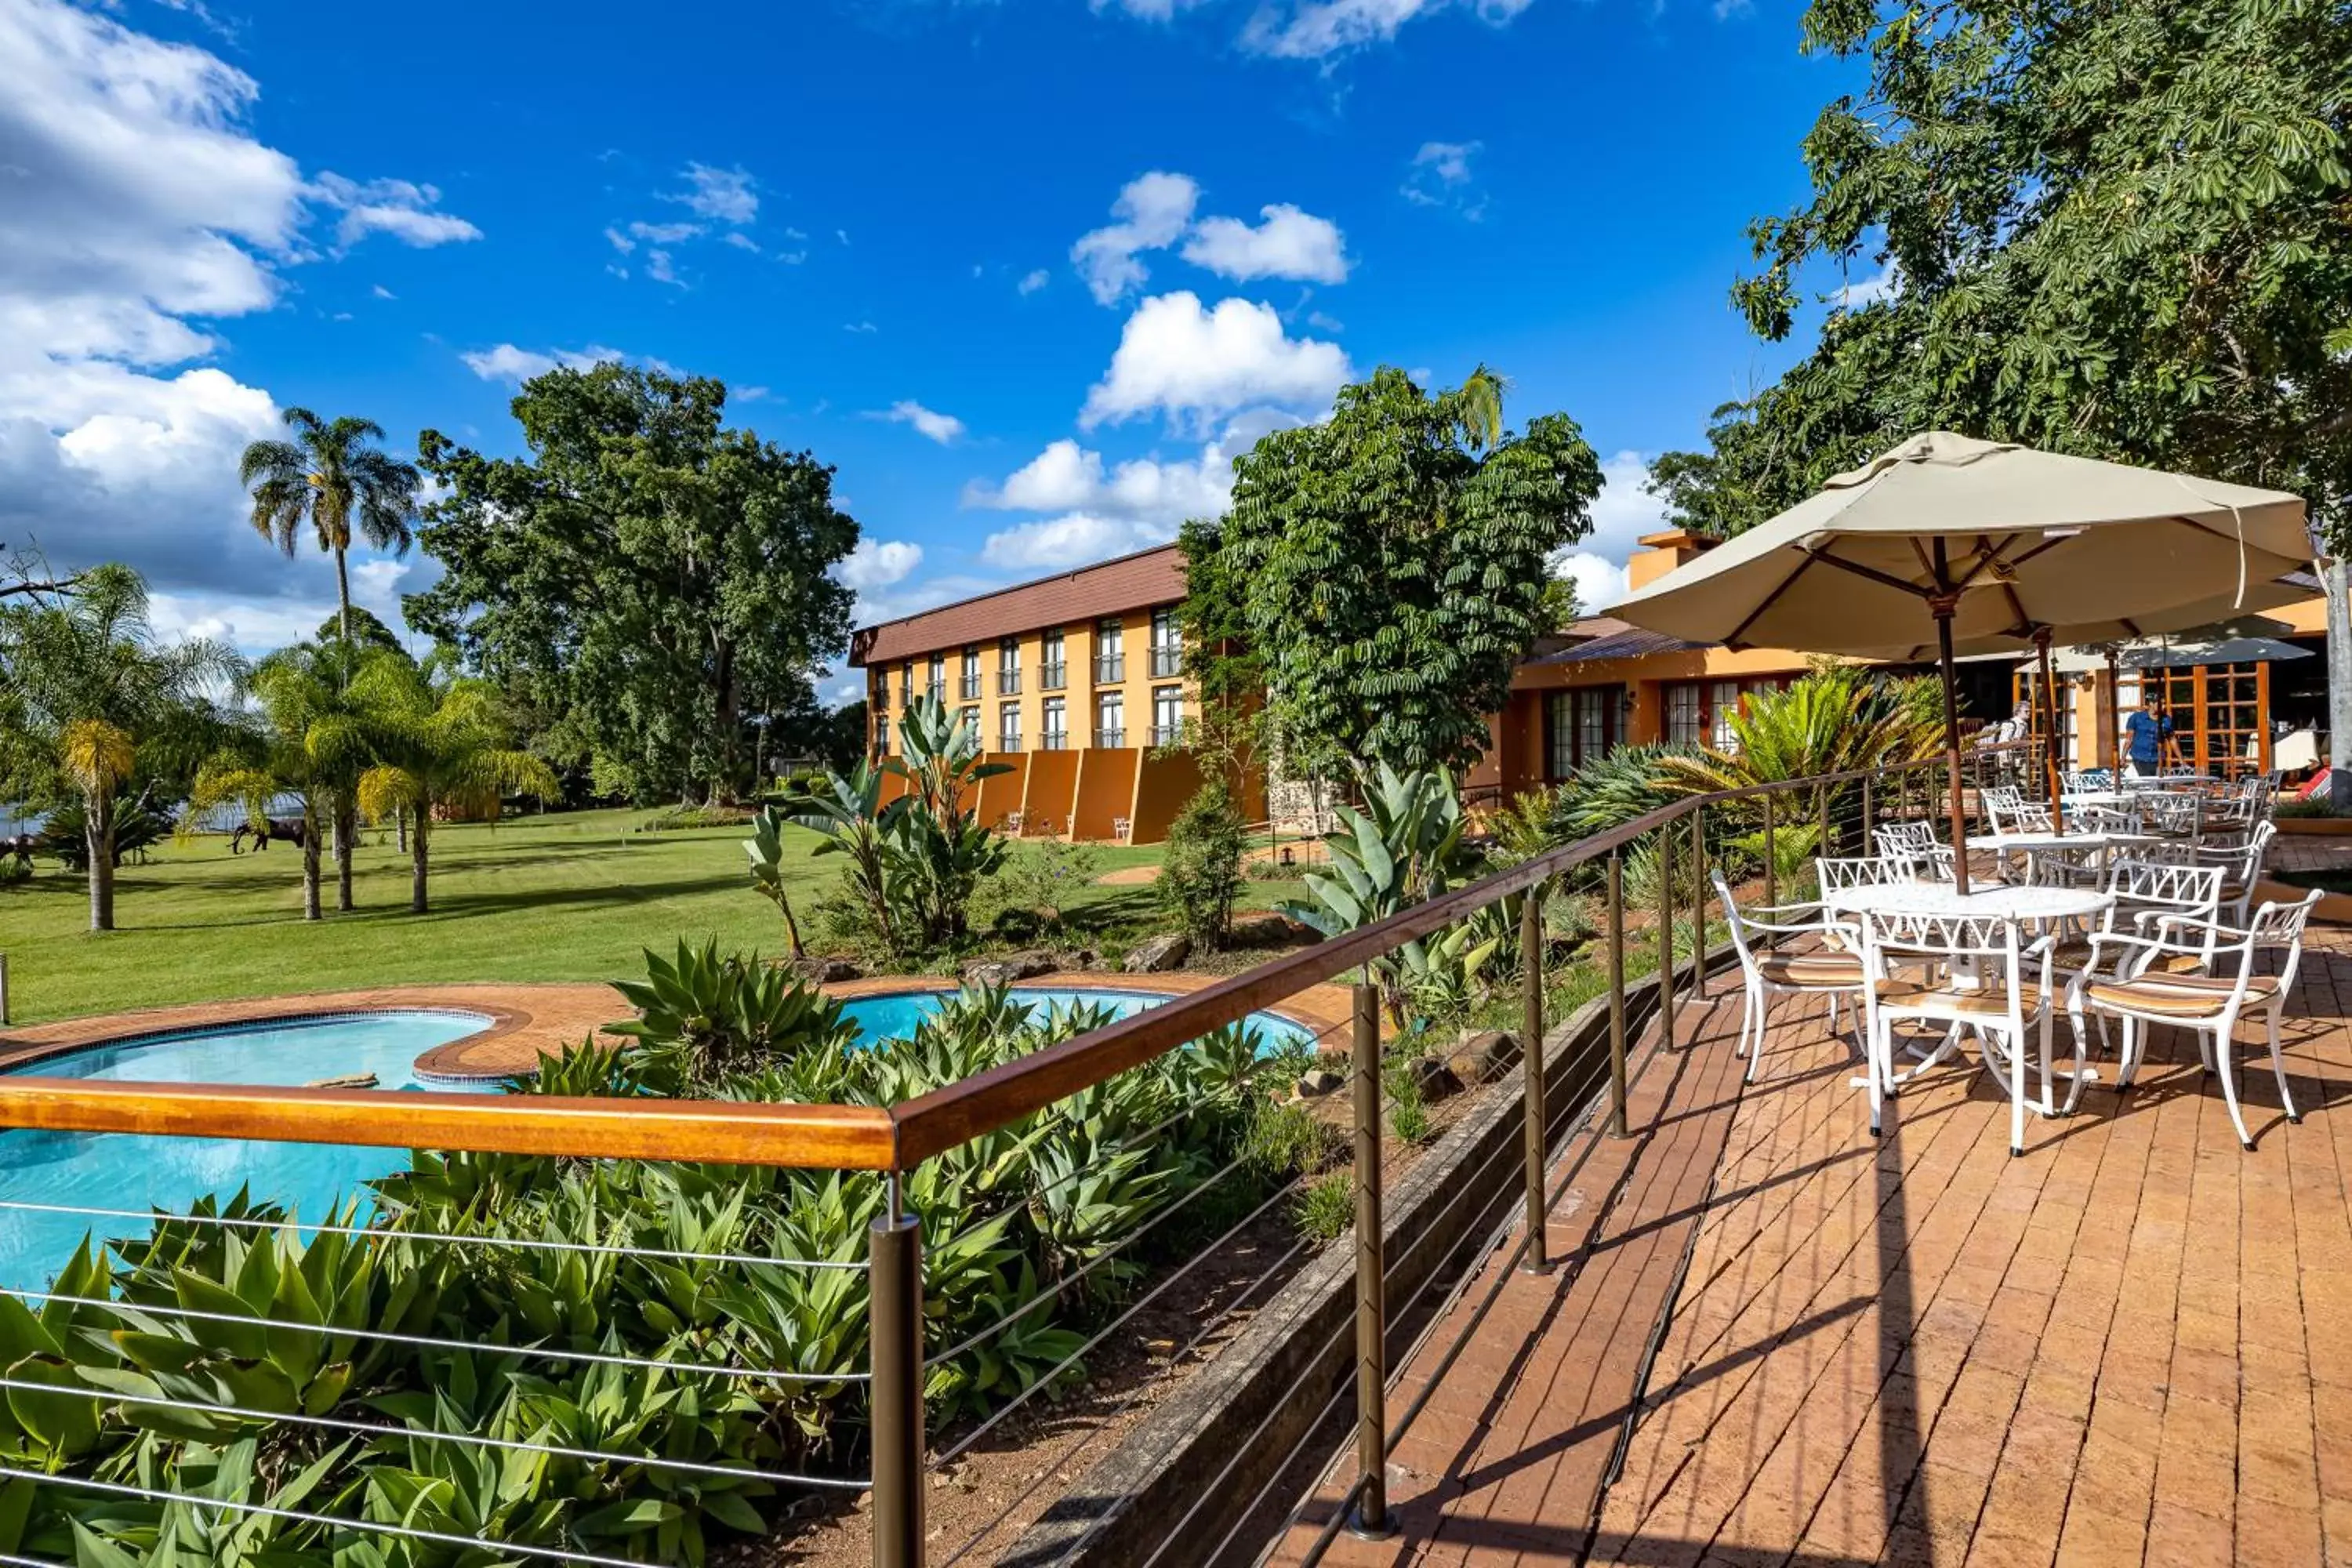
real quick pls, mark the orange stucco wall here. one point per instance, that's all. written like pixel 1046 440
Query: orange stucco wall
pixel 1106 790
pixel 1164 783
pixel 1053 790
pixel 1000 797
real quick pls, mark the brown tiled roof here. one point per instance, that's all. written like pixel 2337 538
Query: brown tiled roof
pixel 1149 577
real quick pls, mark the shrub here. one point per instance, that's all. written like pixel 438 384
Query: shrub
pixel 1200 878
pixel 686 818
pixel 1408 1108
pixel 1039 880
pixel 1326 1208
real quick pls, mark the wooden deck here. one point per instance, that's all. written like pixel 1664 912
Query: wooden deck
pixel 2132 1345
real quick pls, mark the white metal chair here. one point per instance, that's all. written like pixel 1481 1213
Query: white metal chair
pixel 2241 867
pixel 1832 971
pixel 2021 816
pixel 1983 978
pixel 1924 857
pixel 2105 819
pixel 2135 986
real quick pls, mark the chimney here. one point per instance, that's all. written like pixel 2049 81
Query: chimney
pixel 1662 553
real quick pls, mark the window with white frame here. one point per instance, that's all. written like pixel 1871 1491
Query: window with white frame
pixel 1167 644
pixel 1055 736
pixel 1110 719
pixel 1166 714
pixel 1008 726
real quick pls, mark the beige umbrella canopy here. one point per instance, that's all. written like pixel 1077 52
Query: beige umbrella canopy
pixel 1958 544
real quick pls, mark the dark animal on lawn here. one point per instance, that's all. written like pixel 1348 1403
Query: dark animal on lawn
pixel 22 847
pixel 282 829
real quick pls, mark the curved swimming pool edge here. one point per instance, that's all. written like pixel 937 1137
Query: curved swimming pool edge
pixel 307 1019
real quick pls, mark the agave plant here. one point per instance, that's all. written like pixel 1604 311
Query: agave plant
pixel 711 1013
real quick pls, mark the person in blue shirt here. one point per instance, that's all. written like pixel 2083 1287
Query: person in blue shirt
pixel 2147 733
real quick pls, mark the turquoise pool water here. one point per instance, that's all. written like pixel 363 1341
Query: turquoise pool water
pixel 894 1018
pixel 117 1171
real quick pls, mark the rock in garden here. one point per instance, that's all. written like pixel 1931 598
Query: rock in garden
pixel 1482 1054
pixel 1435 1078
pixel 1008 970
pixel 1160 953
pixel 824 971
pixel 348 1081
pixel 1321 1082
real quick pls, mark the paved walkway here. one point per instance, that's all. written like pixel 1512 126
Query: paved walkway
pixel 2132 1345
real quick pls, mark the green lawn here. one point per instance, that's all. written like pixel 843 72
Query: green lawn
pixel 565 896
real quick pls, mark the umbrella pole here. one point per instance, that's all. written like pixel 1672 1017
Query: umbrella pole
pixel 2114 720
pixel 1943 612
pixel 2050 733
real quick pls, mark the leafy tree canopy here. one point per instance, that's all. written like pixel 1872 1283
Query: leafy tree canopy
pixel 2123 231
pixel 1388 567
pixel 647 581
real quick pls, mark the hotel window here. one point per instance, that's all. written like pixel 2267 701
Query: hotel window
pixel 907 684
pixel 1167 645
pixel 969 716
pixel 1008 668
pixel 1580 725
pixel 936 687
pixel 1110 719
pixel 1685 714
pixel 1166 714
pixel 1723 704
pixel 1008 726
pixel 969 689
pixel 1110 653
pixel 1055 736
pixel 1052 673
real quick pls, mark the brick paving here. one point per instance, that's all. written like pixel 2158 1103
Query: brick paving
pixel 2132 1345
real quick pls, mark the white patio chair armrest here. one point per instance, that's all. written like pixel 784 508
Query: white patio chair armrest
pixel 2205 927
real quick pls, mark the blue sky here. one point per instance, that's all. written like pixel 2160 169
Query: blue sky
pixel 1028 273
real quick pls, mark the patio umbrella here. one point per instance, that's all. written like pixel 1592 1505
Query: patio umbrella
pixel 1985 545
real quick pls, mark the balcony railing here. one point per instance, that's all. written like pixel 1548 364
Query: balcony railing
pixel 1111 739
pixel 1110 669
pixel 1008 683
pixel 1051 677
pixel 1166 663
pixel 967 687
pixel 1008 742
pixel 1578 1077
pixel 1167 734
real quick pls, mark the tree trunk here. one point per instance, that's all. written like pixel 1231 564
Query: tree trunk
pixel 2335 572
pixel 309 862
pixel 343 603
pixel 416 863
pixel 97 837
pixel 347 833
pixel 722 788
pixel 400 823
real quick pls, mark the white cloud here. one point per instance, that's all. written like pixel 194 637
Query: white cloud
pixel 1600 582
pixel 722 195
pixel 621 242
pixel 660 232
pixel 1870 291
pixel 1621 514
pixel 1289 243
pixel 1317 29
pixel 381 293
pixel 1196 366
pixel 791 233
pixel 741 241
pixel 137 210
pixel 1067 477
pixel 878 564
pixel 1076 540
pixel 1033 281
pixel 944 429
pixel 1152 212
pixel 1323 324
pixel 1438 176
pixel 505 362
pixel 400 208
pixel 859 327
pixel 658 268
pixel 1724 10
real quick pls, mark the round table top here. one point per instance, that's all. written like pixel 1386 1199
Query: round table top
pixel 2080 838
pixel 1995 901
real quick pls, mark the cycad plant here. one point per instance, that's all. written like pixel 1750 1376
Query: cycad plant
pixel 439 739
pixel 84 685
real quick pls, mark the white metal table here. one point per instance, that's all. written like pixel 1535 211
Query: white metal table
pixel 2004 844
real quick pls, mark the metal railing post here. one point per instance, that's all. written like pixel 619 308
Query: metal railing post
pixel 1371 1520
pixel 1537 1259
pixel 895 1325
pixel 1616 994
pixel 1666 937
pixel 1869 818
pixel 1828 845
pixel 1698 915
pixel 1772 877
pixel 4 990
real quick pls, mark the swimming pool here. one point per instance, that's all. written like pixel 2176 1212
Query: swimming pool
pixel 894 1016
pixel 120 1171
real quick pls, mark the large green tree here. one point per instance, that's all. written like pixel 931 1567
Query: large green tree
pixel 333 476
pixel 648 581
pixel 89 698
pixel 1387 568
pixel 2124 231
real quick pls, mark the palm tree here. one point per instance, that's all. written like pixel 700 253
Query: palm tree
pixel 331 473
pixel 84 686
pixel 443 740
pixel 293 692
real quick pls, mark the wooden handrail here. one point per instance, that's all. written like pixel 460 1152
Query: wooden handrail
pixel 728 1132
pixel 808 1137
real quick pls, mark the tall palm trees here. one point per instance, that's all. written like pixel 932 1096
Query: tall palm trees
pixel 440 739
pixel 83 686
pixel 333 475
